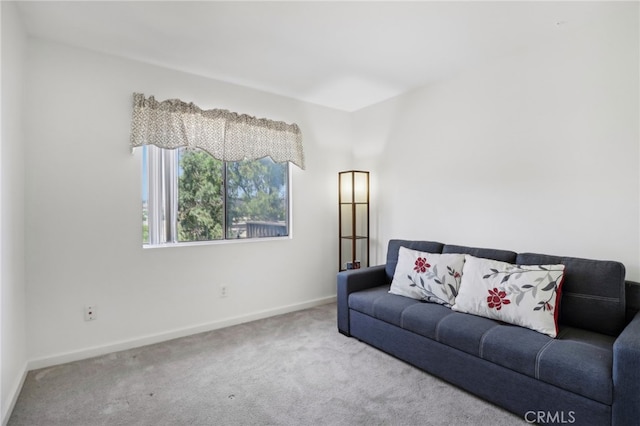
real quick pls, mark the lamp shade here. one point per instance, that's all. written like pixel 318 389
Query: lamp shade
pixel 354 186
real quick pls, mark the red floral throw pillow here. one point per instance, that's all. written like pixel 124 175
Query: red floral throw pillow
pixel 524 295
pixel 431 277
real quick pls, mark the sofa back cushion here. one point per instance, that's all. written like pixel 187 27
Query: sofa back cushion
pixel 593 293
pixel 394 248
pixel 493 254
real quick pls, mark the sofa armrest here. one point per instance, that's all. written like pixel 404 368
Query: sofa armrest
pixel 626 375
pixel 352 281
pixel 632 296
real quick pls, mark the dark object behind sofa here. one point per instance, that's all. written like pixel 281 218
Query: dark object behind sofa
pixel 607 392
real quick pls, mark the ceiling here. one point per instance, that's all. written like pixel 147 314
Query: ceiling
pixel 343 55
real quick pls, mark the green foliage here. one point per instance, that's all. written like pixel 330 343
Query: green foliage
pixel 145 226
pixel 200 197
pixel 256 190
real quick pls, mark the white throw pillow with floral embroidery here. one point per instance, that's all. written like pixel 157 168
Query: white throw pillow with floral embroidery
pixel 431 277
pixel 524 295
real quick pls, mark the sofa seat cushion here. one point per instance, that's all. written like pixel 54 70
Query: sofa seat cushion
pixel 423 318
pixel 377 302
pixel 514 347
pixel 465 332
pixel 578 361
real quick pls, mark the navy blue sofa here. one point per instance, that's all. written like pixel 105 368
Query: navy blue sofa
pixel 588 375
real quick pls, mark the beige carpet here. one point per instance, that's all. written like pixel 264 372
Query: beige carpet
pixel 293 369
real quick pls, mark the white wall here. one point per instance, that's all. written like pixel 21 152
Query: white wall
pixel 537 152
pixel 83 213
pixel 13 341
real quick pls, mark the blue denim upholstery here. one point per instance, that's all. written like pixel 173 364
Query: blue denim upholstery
pixel 423 318
pixel 632 297
pixel 511 390
pixel 578 360
pixel 626 375
pixel 591 371
pixel 592 292
pixel 581 363
pixel 352 281
pixel 501 255
pixel 465 332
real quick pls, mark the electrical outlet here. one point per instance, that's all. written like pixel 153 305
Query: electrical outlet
pixel 90 313
pixel 224 290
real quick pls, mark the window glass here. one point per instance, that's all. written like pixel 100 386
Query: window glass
pixel 257 199
pixel 200 196
pixel 189 196
pixel 145 195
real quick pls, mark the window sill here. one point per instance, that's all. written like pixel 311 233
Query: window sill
pixel 215 242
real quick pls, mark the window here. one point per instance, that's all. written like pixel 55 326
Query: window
pixel 190 196
pixel 196 185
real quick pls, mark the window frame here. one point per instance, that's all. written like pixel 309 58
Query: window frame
pixel 162 173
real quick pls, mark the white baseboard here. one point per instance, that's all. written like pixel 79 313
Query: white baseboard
pixel 169 335
pixel 13 396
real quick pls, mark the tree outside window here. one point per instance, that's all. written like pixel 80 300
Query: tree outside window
pixel 199 198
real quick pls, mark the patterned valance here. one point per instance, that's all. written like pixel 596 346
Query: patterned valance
pixel 225 135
